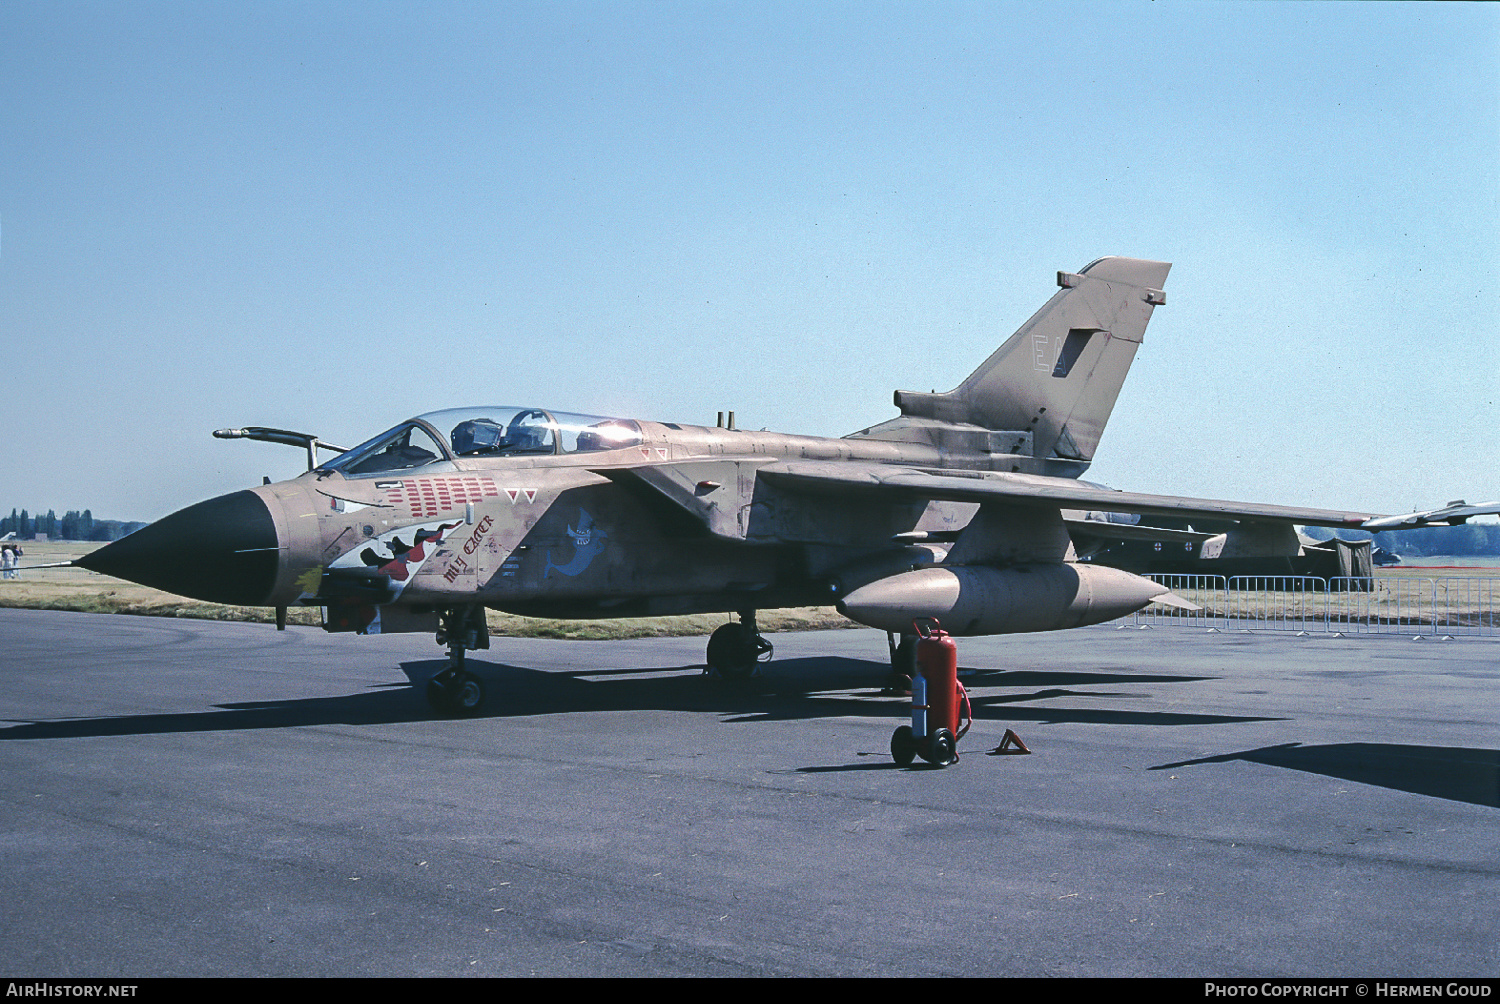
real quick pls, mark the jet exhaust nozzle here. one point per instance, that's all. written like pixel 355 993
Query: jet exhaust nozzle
pixel 976 600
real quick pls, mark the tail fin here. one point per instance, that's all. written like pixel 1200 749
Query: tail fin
pixel 1054 382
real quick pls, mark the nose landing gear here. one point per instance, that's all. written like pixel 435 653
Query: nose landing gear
pixel 455 692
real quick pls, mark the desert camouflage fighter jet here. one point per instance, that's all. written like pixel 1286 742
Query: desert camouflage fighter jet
pixel 958 509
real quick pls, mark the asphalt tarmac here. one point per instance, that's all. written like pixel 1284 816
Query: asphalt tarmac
pixel 198 799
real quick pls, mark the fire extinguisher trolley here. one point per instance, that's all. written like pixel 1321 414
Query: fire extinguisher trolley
pixel 935 696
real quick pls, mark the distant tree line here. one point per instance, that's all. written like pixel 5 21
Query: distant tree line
pixel 72 525
pixel 1470 538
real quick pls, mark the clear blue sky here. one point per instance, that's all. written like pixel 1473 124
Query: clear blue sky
pixel 329 217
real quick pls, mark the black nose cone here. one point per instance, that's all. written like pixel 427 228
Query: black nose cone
pixel 223 551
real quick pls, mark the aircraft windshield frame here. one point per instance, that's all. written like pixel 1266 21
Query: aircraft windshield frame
pixel 400 448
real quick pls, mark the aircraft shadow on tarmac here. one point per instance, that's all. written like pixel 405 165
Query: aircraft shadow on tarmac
pixel 1451 772
pixel 789 690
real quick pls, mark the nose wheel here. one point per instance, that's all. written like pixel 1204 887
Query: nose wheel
pixel 455 692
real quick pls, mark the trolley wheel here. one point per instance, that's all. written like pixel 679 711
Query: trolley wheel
pixel 903 746
pixel 942 748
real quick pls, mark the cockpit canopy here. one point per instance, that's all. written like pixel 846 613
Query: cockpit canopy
pixel 484 432
pixel 511 432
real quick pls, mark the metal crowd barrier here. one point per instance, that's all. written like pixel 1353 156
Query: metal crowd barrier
pixel 1441 606
pixel 1209 592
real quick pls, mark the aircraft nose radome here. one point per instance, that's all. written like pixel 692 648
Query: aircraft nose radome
pixel 223 551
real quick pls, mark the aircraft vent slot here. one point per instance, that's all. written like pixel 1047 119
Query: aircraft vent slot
pixel 1078 338
pixel 1013 442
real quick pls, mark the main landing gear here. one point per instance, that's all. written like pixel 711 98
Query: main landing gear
pixel 734 649
pixel 903 663
pixel 456 692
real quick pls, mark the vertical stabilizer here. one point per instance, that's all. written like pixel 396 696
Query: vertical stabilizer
pixel 1058 376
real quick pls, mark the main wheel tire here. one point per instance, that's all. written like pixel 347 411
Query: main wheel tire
pixel 904 661
pixel 903 666
pixel 732 651
pixel 903 746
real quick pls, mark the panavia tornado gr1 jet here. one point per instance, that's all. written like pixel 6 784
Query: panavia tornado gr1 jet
pixel 959 509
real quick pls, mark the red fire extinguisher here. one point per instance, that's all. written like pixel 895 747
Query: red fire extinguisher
pixel 935 696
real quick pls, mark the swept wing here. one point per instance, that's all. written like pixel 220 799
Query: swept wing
pixel 894 482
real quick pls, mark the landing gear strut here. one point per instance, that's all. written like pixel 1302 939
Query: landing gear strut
pixel 903 663
pixel 455 691
pixel 734 649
